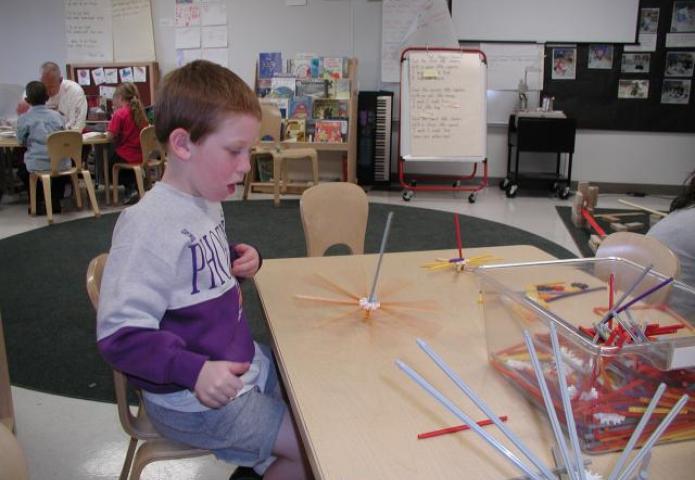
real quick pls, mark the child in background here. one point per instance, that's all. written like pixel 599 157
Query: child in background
pixel 33 128
pixel 124 128
pixel 170 312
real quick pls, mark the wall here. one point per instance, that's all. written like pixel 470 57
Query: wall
pixel 33 31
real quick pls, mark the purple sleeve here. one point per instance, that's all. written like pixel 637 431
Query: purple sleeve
pixel 154 355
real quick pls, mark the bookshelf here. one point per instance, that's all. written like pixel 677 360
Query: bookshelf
pixel 348 146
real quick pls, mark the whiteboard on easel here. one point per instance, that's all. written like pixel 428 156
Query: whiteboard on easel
pixel 443 106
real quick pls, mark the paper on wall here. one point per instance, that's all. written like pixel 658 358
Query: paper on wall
pixel 188 37
pixel 213 37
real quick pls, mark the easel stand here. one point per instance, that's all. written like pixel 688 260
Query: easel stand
pixel 443 116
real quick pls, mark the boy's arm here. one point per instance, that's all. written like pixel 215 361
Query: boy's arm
pixel 22 132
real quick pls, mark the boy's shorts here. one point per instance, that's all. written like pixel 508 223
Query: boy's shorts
pixel 242 432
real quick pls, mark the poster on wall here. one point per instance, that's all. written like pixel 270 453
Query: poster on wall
pixel 600 57
pixel 88 31
pixel 133 36
pixel 564 63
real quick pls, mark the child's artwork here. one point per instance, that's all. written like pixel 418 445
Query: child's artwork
pixel 111 75
pixel 106 91
pixel 83 77
pixel 187 15
pixel 564 63
pixel 98 76
pixel 600 57
pixel 140 74
pixel 126 74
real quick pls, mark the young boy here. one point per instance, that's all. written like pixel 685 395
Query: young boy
pixel 33 128
pixel 170 313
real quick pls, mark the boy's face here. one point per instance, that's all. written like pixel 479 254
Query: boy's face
pixel 222 158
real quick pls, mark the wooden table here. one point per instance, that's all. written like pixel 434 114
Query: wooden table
pixel 358 414
pixel 97 143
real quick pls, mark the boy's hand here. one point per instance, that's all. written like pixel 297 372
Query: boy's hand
pixel 246 265
pixel 218 382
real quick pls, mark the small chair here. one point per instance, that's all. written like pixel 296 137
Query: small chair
pixel 153 157
pixel 13 464
pixel 61 145
pixel 271 126
pixel 139 170
pixel 153 446
pixel 334 213
pixel 643 250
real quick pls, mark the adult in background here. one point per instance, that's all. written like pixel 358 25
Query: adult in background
pixel 65 96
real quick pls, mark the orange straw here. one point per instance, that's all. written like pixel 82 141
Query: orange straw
pixel 459 428
pixel 459 244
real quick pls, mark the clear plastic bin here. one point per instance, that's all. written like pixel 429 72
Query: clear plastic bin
pixel 610 385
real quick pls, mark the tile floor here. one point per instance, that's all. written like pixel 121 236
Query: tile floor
pixel 69 439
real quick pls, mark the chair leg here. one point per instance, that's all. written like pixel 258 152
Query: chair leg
pixel 284 177
pixel 32 193
pixel 139 180
pixel 125 471
pixel 277 168
pixel 46 183
pixel 114 183
pixel 249 178
pixel 76 190
pixel 315 168
pixel 90 192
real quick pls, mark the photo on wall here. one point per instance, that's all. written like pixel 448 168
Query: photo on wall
pixel 683 18
pixel 633 89
pixel 675 91
pixel 564 63
pixel 679 64
pixel 649 20
pixel 635 63
pixel 600 57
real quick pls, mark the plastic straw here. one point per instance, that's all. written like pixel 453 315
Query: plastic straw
pixel 459 243
pixel 566 404
pixel 654 437
pixel 611 312
pixel 372 294
pixel 611 296
pixel 457 428
pixel 493 442
pixel 485 409
pixel 638 432
pixel 549 406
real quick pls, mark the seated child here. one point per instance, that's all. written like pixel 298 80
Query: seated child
pixel 33 128
pixel 170 312
pixel 124 129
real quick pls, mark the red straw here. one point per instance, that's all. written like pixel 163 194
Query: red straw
pixel 611 292
pixel 459 428
pixel 459 244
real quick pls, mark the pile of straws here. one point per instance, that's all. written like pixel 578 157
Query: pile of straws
pixel 572 459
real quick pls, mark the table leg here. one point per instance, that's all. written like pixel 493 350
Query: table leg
pixel 106 168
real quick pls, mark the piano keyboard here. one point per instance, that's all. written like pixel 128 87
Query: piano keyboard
pixel 382 150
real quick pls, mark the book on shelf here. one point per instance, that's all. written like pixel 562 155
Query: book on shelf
pixel 332 67
pixel 305 65
pixel 312 87
pixel 283 103
pixel 300 107
pixel 282 86
pixel 330 109
pixel 339 88
pixel 329 131
pixel 295 130
pixel 269 64
pixel 263 86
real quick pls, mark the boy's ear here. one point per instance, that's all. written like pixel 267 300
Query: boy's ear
pixel 180 143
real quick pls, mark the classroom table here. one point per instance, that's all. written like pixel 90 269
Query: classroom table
pixel 97 143
pixel 357 413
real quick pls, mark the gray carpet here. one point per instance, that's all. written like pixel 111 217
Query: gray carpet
pixel 49 322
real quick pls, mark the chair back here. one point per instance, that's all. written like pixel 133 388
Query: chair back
pixel 13 464
pixel 271 123
pixel 643 250
pixel 64 144
pixel 334 213
pixel 136 426
pixel 151 149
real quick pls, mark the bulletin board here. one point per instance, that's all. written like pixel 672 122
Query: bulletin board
pixel 443 105
pixel 146 88
pixel 593 96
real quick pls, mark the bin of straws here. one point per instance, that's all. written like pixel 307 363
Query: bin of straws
pixel 623 329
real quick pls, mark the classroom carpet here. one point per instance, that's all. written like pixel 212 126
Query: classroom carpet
pixel 581 235
pixel 49 322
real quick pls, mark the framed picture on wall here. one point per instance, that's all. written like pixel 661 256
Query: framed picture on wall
pixel 600 57
pixel 635 63
pixel 564 63
pixel 633 89
pixel 675 91
pixel 649 20
pixel 679 64
pixel 683 18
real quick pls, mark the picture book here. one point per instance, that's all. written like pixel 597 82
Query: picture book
pixel 330 109
pixel 295 130
pixel 300 107
pixel 282 86
pixel 329 131
pixel 332 67
pixel 269 64
pixel 340 89
pixel 305 65
pixel 263 86
pixel 312 87
pixel 281 102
